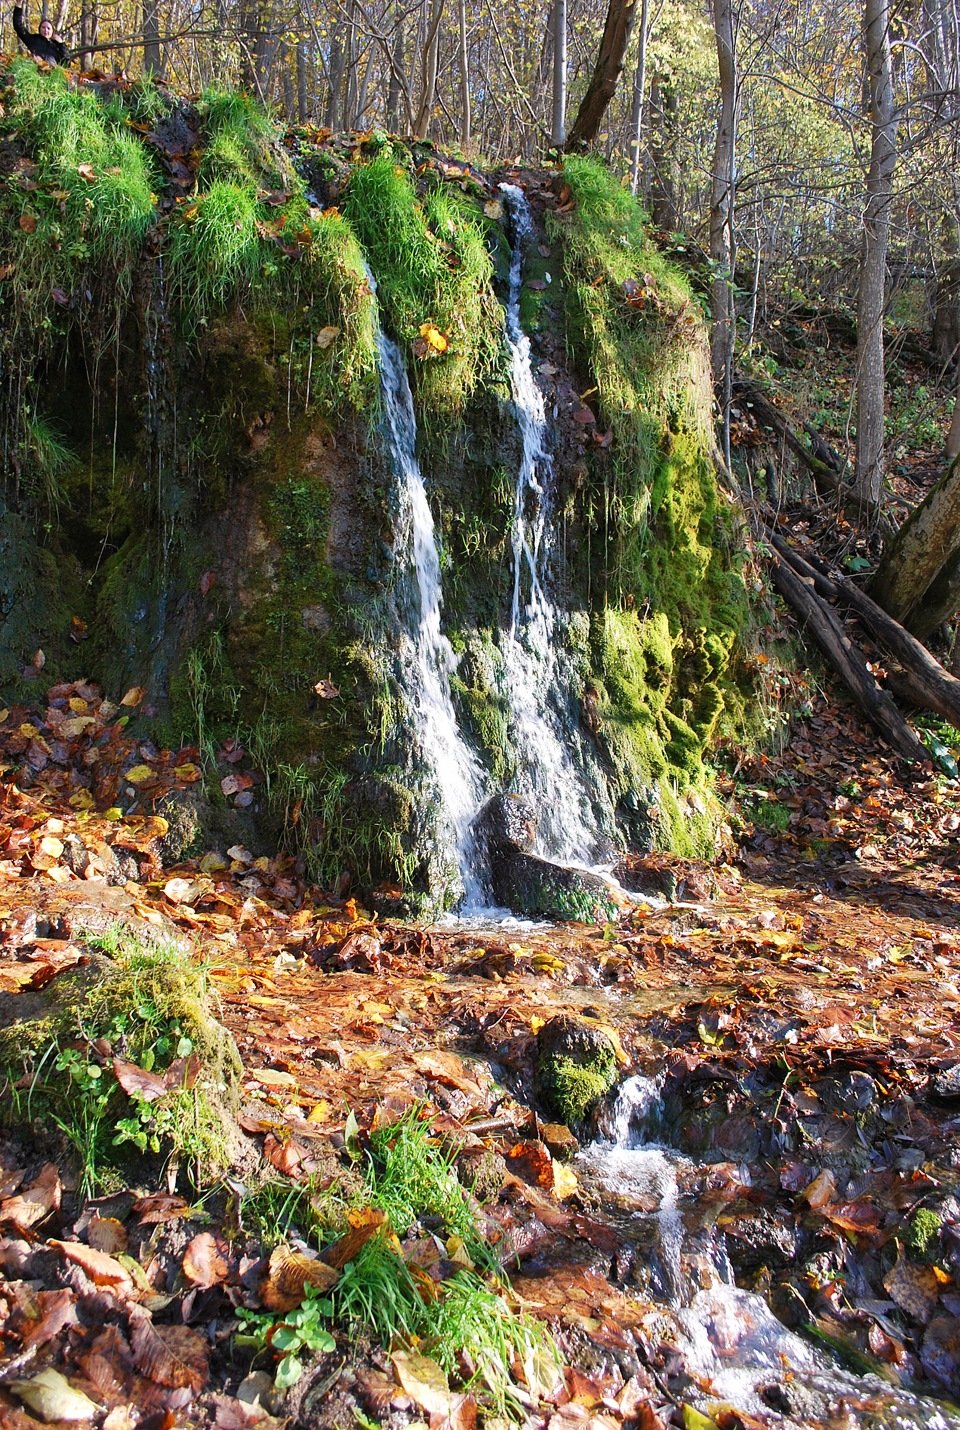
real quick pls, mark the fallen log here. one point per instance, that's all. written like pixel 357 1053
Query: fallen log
pixel 925 682
pixel 828 631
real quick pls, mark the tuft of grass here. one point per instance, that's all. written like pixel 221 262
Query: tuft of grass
pixel 85 210
pixel 151 1009
pixel 215 248
pixel 411 1177
pixel 432 266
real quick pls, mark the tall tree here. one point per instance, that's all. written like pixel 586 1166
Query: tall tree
pixel 558 122
pixel 871 385
pixel 722 211
pixel 606 73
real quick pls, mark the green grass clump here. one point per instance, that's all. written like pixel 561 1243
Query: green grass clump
pixel 431 265
pixel 410 1176
pixel 239 141
pixel 151 1008
pixel 85 210
pixel 215 248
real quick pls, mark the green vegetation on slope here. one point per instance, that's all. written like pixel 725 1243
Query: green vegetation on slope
pixel 672 601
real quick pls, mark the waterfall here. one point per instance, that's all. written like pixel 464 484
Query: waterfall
pixel 430 659
pixel 542 725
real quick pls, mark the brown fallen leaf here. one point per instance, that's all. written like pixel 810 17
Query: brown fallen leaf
pixel 57 1310
pixel 288 1274
pixel 365 1222
pixel 205 1261
pixel 102 1269
pixel 175 1356
pixel 35 1202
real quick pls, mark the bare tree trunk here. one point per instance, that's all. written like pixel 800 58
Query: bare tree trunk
pixel 606 73
pixel 152 62
pixel 430 69
pixel 868 479
pixel 303 104
pixel 722 204
pixel 639 84
pixel 336 80
pixel 664 207
pixel 953 436
pixel 926 543
pixel 465 118
pixel 558 118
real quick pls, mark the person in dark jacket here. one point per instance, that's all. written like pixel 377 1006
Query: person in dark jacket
pixel 42 44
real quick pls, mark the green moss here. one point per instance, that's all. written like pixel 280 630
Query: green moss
pixel 432 266
pixel 922 1232
pixel 150 1005
pixel 572 1086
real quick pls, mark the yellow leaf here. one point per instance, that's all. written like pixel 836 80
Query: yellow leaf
pixel 320 1113
pixel 565 1182
pixel 326 336
pixel 114 812
pixel 187 772
pixel 424 1380
pixel 52 846
pixel 29 732
pixel 83 799
pixel 134 695
pixel 536 1023
pixel 433 337
pixel 139 774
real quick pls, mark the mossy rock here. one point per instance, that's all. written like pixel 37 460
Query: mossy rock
pixel 538 888
pixel 576 1066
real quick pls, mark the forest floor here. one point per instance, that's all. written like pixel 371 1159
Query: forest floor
pixel 797 1006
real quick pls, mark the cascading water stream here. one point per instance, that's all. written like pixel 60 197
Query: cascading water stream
pixel 731 1346
pixel 542 726
pixel 455 769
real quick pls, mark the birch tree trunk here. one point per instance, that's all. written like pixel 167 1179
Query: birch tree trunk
pixel 868 481
pixel 558 122
pixel 465 118
pixel 430 69
pixel 639 84
pixel 722 204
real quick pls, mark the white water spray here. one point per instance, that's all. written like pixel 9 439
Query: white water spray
pixel 542 728
pixel 430 659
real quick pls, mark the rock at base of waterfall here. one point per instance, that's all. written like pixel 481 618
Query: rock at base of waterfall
pixel 506 824
pixel 537 888
pixel 576 1065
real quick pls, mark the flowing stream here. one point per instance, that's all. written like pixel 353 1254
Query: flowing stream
pixel 542 724
pixel 733 1350
pixel 455 768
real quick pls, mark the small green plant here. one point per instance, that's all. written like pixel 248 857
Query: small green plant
pixel 290 1335
pixel 472 1324
pixel 769 814
pixel 410 1177
pixel 923 1232
pixel 378 1291
pixel 148 1011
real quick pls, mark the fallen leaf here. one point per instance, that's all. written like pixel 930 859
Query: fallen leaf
pixel 134 695
pixel 204 1261
pixel 35 1202
pixel 326 336
pixel 174 1356
pixel 288 1274
pixel 102 1269
pixel 424 1381
pixel 51 1396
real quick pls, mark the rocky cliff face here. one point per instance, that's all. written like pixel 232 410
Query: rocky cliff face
pixel 203 495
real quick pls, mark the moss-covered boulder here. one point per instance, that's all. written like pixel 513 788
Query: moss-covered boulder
pixel 576 1065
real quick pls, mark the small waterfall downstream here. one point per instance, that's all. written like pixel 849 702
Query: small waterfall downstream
pixel 537 694
pixel 454 766
pixel 732 1348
